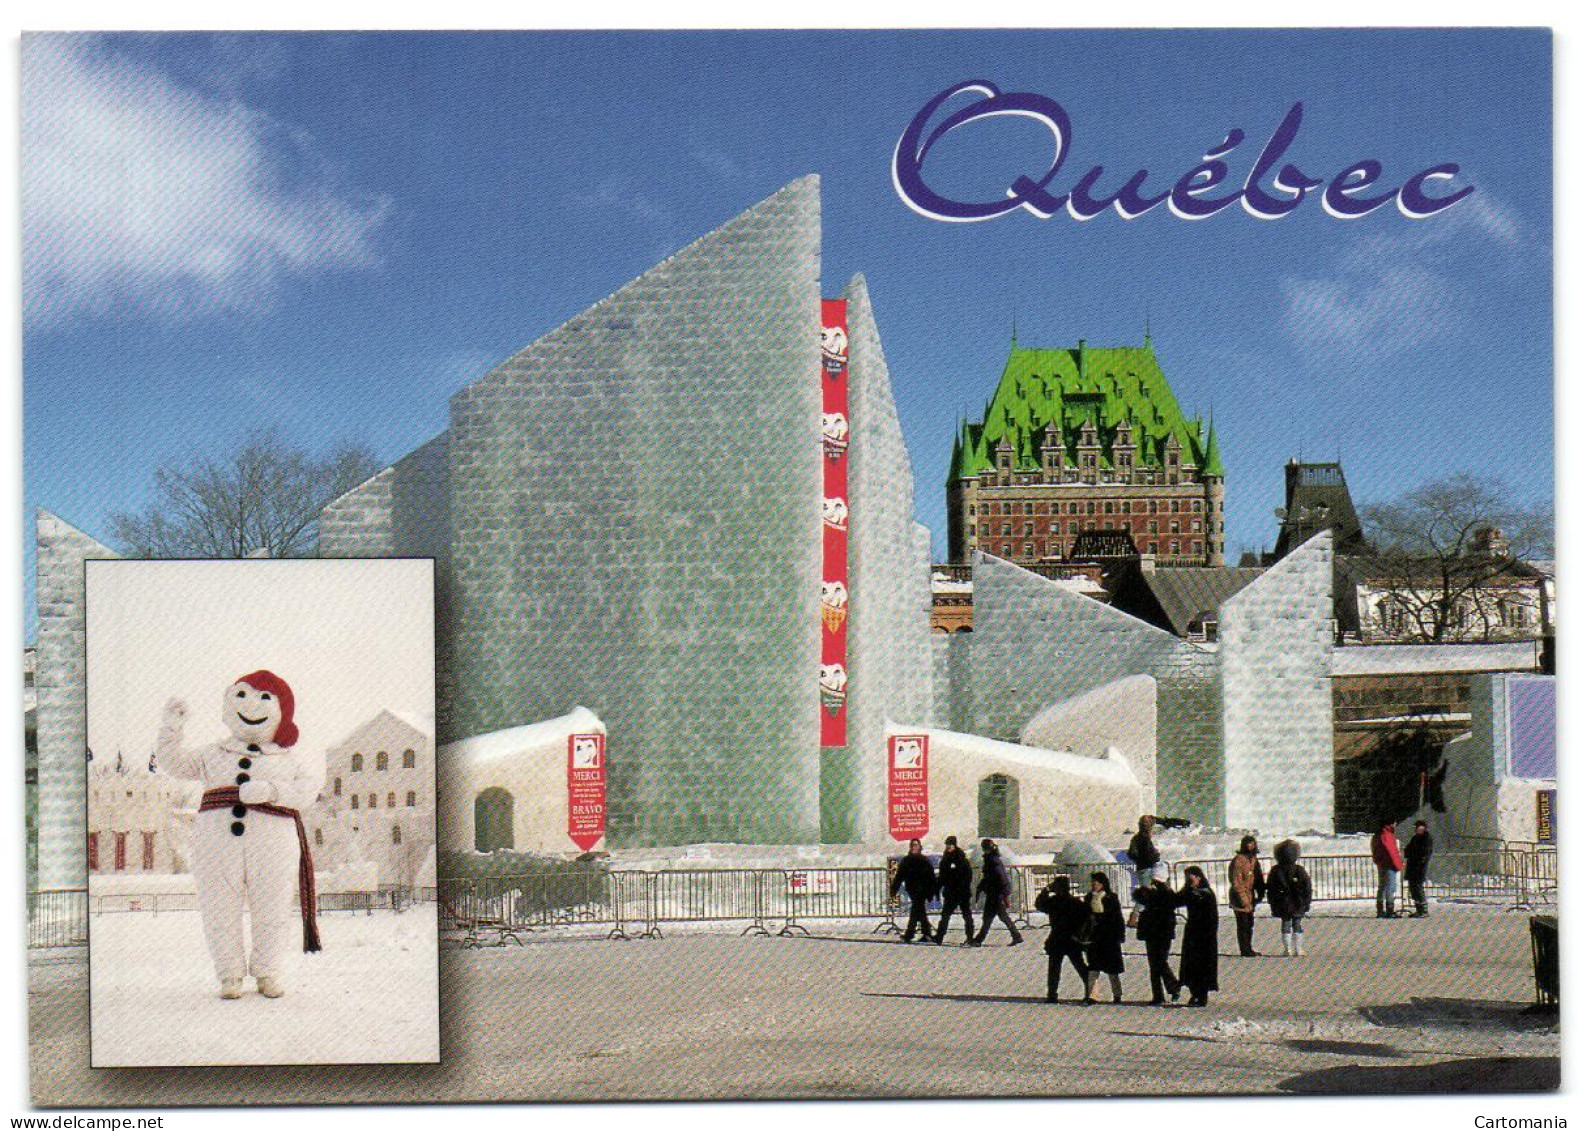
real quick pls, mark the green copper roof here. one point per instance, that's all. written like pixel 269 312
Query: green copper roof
pixel 1047 395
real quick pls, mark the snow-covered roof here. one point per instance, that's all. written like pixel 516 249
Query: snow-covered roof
pixel 1407 659
pixel 494 745
pixel 1113 768
pixel 941 583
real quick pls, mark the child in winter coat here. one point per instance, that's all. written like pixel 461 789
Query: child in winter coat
pixel 1289 892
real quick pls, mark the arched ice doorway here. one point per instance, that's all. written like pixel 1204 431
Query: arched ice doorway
pixel 495 820
pixel 997 807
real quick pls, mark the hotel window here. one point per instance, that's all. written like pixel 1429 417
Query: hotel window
pixel 147 852
pixel 337 784
pixel 356 802
pixel 372 801
pixel 1006 530
pixel 120 852
pixel 972 510
pixel 1030 549
pixel 93 852
pixel 395 834
pixel 383 759
pixel 1030 528
pixel 391 799
pixel 410 799
pixel 1053 529
pixel 1196 507
pixel 317 837
pixel 408 760
pixel 972 530
pixel 1054 509
pixel 1057 550
pixel 356 763
pixel 1109 508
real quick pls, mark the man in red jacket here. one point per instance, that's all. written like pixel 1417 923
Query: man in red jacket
pixel 1388 864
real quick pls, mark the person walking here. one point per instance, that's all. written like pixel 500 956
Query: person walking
pixel 953 876
pixel 1067 919
pixel 919 880
pixel 1388 864
pixel 1156 928
pixel 1197 960
pixel 1289 891
pixel 1416 867
pixel 1143 853
pixel 995 888
pixel 1248 888
pixel 1104 952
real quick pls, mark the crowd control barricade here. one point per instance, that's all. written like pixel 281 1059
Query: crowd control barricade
pixel 1543 941
pixel 57 917
pixel 833 893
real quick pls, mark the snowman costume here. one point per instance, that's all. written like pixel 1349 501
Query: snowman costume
pixel 249 847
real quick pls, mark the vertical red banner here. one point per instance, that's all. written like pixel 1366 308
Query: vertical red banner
pixel 909 801
pixel 833 676
pixel 587 775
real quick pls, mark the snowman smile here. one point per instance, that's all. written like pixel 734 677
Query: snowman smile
pixel 251 722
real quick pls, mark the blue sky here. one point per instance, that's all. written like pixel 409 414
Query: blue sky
pixel 332 233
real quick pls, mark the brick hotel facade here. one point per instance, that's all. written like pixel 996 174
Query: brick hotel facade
pixel 1085 440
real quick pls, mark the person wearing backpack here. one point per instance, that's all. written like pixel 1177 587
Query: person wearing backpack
pixel 995 889
pixel 1289 891
pixel 1068 935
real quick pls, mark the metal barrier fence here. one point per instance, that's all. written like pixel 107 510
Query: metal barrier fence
pixel 498 910
pixel 57 917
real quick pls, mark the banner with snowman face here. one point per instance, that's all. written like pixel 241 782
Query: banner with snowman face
pixel 909 801
pixel 833 676
pixel 588 781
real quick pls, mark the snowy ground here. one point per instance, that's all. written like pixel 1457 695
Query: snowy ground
pixel 370 996
pixel 1401 1006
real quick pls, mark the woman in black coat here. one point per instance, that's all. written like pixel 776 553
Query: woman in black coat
pixel 1197 964
pixel 1104 953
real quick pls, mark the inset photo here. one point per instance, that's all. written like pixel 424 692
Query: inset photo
pixel 260 812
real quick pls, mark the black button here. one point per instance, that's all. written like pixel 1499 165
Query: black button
pixel 238 810
pixel 245 763
pixel 237 828
pixel 242 779
pixel 254 747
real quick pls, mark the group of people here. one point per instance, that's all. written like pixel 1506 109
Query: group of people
pixel 1088 931
pixel 953 877
pixel 1411 863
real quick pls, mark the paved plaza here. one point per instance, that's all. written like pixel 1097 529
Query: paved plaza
pixel 1386 1006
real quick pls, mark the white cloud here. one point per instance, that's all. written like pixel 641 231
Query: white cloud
pixel 1394 292
pixel 141 194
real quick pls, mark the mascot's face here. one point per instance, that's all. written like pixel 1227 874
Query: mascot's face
pixel 834 594
pixel 250 714
pixel 835 512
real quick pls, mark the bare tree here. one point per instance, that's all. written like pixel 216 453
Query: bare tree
pixel 264 497
pixel 1448 555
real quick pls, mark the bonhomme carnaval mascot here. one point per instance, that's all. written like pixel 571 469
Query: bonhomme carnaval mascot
pixel 249 846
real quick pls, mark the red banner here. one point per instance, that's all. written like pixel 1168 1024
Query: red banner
pixel 587 774
pixel 833 676
pixel 909 803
